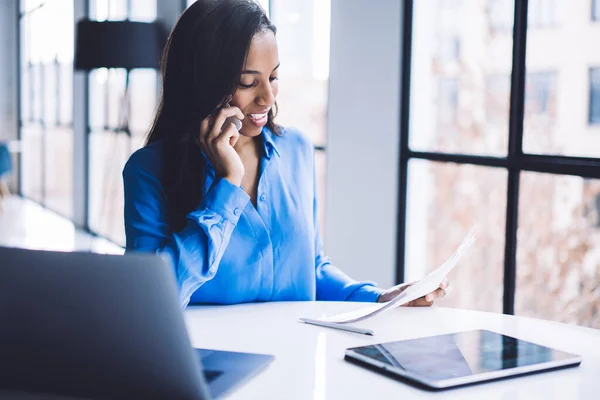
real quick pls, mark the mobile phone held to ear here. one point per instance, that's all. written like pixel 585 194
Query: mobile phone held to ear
pixel 233 120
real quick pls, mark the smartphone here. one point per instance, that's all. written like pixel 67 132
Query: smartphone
pixel 233 120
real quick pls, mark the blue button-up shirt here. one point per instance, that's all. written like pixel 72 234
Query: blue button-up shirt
pixel 231 251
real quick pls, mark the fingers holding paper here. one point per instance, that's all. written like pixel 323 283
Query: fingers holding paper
pixel 424 301
pixel 429 299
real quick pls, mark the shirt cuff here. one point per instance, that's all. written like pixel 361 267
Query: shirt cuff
pixel 226 199
pixel 366 293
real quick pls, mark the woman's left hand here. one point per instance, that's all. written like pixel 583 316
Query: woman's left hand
pixel 424 301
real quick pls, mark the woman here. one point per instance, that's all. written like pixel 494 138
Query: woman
pixel 234 211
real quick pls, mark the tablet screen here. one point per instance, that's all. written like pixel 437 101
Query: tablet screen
pixel 460 354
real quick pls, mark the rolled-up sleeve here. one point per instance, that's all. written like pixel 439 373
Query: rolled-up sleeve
pixel 196 250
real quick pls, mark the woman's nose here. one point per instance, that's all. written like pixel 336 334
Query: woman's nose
pixel 266 97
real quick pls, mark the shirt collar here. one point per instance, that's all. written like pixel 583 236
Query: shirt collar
pixel 270 147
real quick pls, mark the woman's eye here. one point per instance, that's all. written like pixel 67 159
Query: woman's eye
pixel 255 83
pixel 243 86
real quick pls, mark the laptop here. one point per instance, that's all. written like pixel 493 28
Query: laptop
pixel 104 326
pixel 459 359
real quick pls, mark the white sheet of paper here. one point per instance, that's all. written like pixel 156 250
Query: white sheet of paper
pixel 419 289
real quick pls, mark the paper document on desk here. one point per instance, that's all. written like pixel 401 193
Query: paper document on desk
pixel 419 289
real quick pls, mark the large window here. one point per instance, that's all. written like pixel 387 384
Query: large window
pixel 497 135
pixel 109 145
pixel 46 78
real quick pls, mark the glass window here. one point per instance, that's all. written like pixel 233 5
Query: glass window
pixel 444 202
pixel 46 103
pixel 540 123
pixel 447 101
pixel 32 184
pixel 540 94
pixel 560 93
pixel 558 264
pixel 108 10
pixel 112 106
pixel 595 96
pixel 542 13
pixel 500 13
pixel 143 10
pixel 497 100
pixel 595 10
pixel 455 50
pixel 463 106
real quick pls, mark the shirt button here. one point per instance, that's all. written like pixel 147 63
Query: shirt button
pixel 263 197
pixel 236 211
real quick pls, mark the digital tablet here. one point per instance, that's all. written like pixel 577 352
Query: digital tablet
pixel 457 359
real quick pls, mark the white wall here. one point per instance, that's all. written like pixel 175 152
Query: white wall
pixel 363 137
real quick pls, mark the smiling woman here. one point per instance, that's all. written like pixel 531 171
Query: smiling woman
pixel 234 210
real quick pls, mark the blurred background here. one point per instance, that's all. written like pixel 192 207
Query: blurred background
pixel 428 117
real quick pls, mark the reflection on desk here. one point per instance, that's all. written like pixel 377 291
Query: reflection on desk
pixel 309 360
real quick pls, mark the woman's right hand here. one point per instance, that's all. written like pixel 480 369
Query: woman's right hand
pixel 217 142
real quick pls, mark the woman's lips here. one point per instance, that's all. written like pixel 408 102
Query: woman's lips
pixel 259 119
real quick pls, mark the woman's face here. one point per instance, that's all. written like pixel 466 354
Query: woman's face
pixel 258 86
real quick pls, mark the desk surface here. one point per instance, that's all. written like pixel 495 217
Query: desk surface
pixel 309 360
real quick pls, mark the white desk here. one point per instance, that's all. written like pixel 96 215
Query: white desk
pixel 309 360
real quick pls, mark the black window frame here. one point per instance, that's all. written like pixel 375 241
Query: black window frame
pixel 515 162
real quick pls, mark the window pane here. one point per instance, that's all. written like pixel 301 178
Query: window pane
pixel 98 117
pixel 108 154
pixel 107 90
pixel 58 172
pixel 143 98
pixel 47 53
pixel 543 13
pixel 558 262
pixel 65 93
pixel 110 107
pixel 303 38
pixel 460 49
pixel 36 91
pixel 143 10
pixel 595 96
pixel 29 5
pixel 49 93
pixel 112 10
pixel 595 10
pixel 31 161
pixel 444 202
pixel 540 122
pixel 560 93
pixel 26 93
pixel 116 96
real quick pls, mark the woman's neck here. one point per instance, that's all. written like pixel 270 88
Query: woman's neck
pixel 246 143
